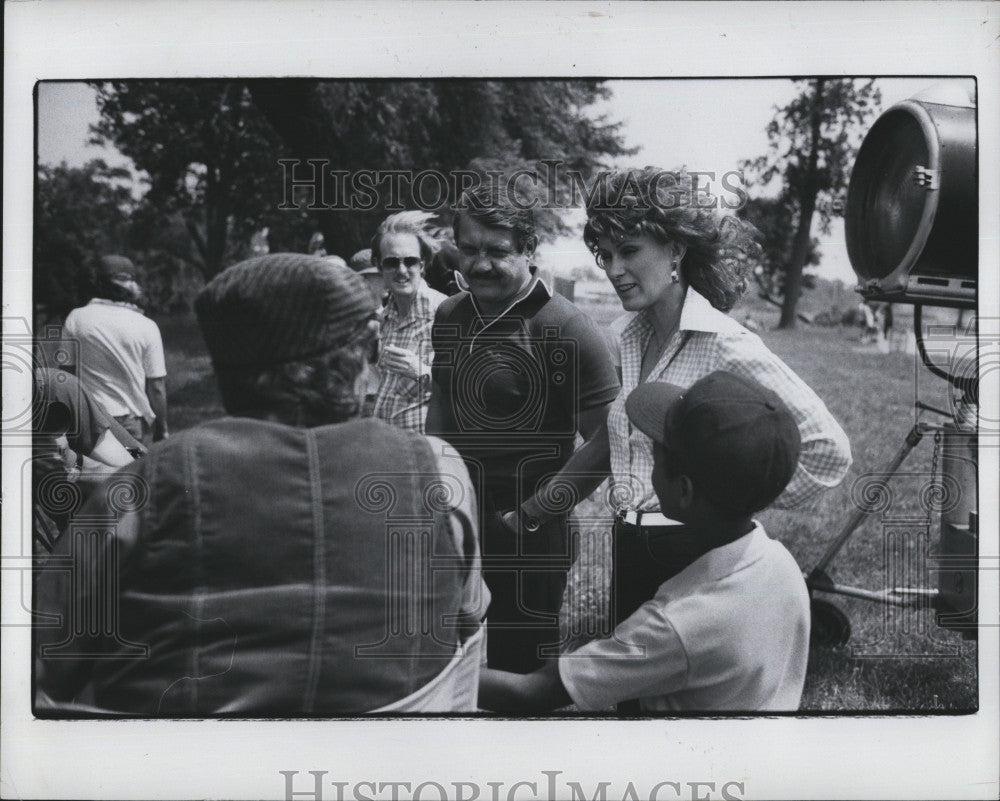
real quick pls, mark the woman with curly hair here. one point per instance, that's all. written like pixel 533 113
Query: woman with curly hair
pixel 678 267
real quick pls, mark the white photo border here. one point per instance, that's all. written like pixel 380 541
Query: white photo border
pixel 797 757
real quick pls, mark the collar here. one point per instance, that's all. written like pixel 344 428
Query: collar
pixel 421 306
pixel 123 303
pixel 536 290
pixel 697 314
pixel 722 561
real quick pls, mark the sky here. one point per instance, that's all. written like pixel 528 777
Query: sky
pixel 705 125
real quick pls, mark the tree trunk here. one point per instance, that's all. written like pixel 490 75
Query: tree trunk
pixel 216 223
pixel 800 250
pixel 807 206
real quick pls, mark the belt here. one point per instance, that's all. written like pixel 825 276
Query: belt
pixel 646 519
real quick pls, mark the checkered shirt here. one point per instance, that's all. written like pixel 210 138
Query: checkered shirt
pixel 400 400
pixel 709 340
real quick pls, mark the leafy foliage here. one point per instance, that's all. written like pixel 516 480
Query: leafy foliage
pixel 210 158
pixel 812 144
pixel 775 218
pixel 444 126
pixel 80 212
pixel 211 149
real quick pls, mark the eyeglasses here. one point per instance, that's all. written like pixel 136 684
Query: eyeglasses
pixel 393 262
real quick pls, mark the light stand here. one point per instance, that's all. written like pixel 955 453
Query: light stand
pixel 955 443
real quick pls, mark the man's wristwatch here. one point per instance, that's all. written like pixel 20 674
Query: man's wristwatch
pixel 528 523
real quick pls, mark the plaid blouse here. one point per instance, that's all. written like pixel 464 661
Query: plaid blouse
pixel 709 340
pixel 400 400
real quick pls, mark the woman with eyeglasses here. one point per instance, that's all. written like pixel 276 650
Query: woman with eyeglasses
pixel 678 266
pixel 402 248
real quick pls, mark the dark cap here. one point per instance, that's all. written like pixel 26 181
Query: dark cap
pixel 117 267
pixel 734 438
pixel 280 308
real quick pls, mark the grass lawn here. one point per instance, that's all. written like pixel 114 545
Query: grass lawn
pixel 897 659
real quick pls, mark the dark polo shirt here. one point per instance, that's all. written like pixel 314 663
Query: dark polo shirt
pixel 511 388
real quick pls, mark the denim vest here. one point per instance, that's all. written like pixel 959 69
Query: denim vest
pixel 284 571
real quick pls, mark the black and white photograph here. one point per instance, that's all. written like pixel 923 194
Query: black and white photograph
pixel 386 421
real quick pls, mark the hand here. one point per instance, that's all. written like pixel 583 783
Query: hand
pixel 510 520
pixel 66 454
pixel 402 361
pixel 513 521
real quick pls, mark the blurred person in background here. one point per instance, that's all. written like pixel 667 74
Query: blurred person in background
pixel 121 361
pixel 443 267
pixel 361 263
pixel 317 245
pixel 73 442
pixel 402 248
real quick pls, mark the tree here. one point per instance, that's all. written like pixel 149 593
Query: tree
pixel 444 126
pixel 212 149
pixel 210 157
pixel 812 144
pixel 80 213
pixel 774 217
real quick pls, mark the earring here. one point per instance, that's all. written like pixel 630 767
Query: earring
pixel 674 278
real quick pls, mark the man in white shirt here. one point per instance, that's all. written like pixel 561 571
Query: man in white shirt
pixel 121 362
pixel 728 630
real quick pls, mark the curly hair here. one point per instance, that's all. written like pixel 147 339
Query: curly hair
pixel 310 392
pixel 719 252
pixel 415 223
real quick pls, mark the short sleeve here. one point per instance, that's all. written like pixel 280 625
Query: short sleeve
pixel 153 362
pixel 444 336
pixel 643 658
pixel 445 342
pixel 69 333
pixel 596 380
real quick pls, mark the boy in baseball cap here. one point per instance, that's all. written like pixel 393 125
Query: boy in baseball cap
pixel 729 630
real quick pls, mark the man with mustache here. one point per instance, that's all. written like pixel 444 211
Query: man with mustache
pixel 517 373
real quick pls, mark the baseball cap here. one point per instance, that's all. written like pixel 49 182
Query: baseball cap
pixel 734 438
pixel 118 268
pixel 361 263
pixel 280 308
